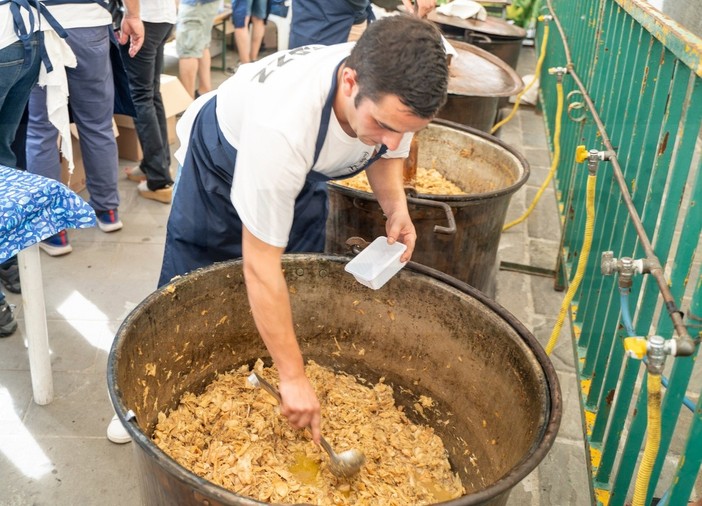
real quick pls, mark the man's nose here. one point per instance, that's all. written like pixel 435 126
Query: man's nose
pixel 392 140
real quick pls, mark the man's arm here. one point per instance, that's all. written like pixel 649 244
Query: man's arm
pixel 132 28
pixel 270 305
pixel 385 178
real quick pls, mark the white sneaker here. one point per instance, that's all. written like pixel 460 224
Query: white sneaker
pixel 117 433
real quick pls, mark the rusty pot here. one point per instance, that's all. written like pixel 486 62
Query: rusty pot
pixel 488 375
pixel 479 163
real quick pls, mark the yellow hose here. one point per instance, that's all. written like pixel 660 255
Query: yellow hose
pixel 537 73
pixel 582 262
pixel 653 439
pixel 554 161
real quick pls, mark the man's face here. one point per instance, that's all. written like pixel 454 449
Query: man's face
pixel 384 122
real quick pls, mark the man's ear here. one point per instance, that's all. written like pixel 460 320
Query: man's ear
pixel 348 81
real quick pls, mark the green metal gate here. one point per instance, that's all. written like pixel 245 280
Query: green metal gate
pixel 634 91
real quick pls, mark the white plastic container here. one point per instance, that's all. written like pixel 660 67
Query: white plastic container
pixel 377 263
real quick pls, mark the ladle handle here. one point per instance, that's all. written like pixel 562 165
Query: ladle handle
pixel 257 380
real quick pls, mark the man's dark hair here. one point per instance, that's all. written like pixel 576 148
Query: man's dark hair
pixel 402 56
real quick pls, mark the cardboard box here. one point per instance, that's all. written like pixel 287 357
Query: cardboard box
pixel 77 179
pixel 175 101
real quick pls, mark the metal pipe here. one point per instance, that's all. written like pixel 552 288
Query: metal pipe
pixel 686 345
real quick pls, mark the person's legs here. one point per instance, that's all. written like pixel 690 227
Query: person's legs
pixel 204 75
pixel 43 158
pixel 193 36
pixel 42 137
pixel 258 30
pixel 144 71
pixel 240 19
pixel 187 72
pixel 16 83
pixel 8 325
pixel 91 92
pixel 9 275
pixel 259 13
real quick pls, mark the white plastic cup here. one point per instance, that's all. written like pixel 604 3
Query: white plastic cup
pixel 377 263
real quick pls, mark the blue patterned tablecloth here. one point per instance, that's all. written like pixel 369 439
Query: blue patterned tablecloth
pixel 33 208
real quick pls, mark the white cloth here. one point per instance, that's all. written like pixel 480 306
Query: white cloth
pixel 56 85
pixel 270 112
pixel 463 9
pixel 158 11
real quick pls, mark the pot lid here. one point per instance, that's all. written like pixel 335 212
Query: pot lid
pixel 491 26
pixel 475 72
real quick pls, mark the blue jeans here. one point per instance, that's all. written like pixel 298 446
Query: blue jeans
pixel 15 84
pixel 144 73
pixel 91 99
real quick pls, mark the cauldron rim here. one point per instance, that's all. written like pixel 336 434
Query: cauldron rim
pixel 468 197
pixel 540 448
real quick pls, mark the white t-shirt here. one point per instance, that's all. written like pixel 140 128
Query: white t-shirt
pixel 158 11
pixel 270 111
pixel 80 15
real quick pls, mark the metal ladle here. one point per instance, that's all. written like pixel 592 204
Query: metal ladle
pixel 344 464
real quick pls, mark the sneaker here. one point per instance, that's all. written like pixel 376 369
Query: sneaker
pixel 116 432
pixel 108 221
pixel 9 275
pixel 56 245
pixel 8 325
pixel 135 174
pixel 164 194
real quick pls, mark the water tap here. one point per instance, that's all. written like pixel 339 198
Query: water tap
pixel 655 349
pixel 626 267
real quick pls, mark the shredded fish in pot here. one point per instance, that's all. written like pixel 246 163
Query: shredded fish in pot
pixel 234 436
pixel 429 181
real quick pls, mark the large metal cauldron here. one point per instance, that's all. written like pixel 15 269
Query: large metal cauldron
pixel 494 35
pixel 478 82
pixel 477 162
pixel 490 378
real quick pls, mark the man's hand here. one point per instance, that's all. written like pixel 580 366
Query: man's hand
pixel 300 405
pixel 132 30
pixel 420 7
pixel 385 178
pixel 399 227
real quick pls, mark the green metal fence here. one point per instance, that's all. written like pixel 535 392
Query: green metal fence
pixel 642 73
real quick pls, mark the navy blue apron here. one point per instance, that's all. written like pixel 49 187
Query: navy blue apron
pixel 204 227
pixel 326 21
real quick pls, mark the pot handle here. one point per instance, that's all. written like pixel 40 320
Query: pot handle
pixel 451 228
pixel 473 36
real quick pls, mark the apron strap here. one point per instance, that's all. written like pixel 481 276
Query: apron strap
pixel 25 36
pixel 326 114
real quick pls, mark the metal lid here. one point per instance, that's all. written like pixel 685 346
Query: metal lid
pixel 491 26
pixel 475 72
